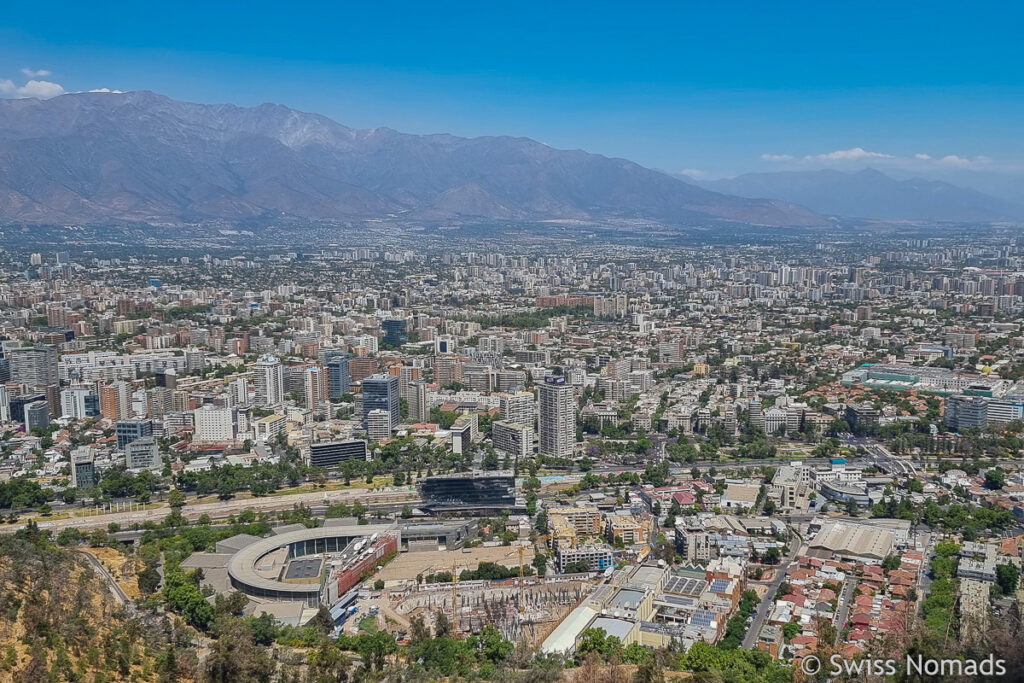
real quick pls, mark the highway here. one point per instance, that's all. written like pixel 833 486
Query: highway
pixel 222 508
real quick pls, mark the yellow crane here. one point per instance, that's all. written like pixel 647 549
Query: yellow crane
pixel 522 600
pixel 455 600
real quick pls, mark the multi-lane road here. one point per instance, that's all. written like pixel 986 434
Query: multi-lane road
pixel 223 508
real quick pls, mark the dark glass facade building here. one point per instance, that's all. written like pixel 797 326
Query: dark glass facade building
pixel 333 453
pixel 338 376
pixel 380 392
pixel 395 333
pixel 470 491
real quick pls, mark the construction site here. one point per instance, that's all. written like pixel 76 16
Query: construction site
pixel 521 608
pixel 528 610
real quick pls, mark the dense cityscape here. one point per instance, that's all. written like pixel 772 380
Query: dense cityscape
pixel 436 455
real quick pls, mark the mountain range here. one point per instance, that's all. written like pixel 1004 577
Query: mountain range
pixel 872 194
pixel 143 157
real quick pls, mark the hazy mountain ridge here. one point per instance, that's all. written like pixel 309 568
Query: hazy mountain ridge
pixel 872 194
pixel 139 156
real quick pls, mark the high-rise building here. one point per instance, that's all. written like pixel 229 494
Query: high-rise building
pixel 268 376
pixel 518 408
pixel 380 392
pixel 83 468
pixel 394 331
pixel 378 424
pixel 315 387
pixel 17 405
pixel 37 414
pixel 756 414
pixel 131 430
pixel 447 369
pixel 143 454
pixel 5 405
pixel 406 375
pixel 419 402
pixel 360 368
pixel 78 403
pixel 35 366
pixel 115 401
pixel 167 378
pixel 239 391
pixel 195 359
pixel 338 376
pixel 512 438
pixel 214 425
pixel 557 417
pixel 965 412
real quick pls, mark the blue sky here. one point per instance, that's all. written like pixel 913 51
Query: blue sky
pixel 719 88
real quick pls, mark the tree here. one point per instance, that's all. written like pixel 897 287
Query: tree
pixel 493 646
pixel 176 499
pixel 442 625
pixel 406 512
pixel 597 640
pixel 322 621
pixel 378 585
pixel 995 479
pixel 1007 578
pixel 540 562
pixel 234 657
pixel 233 603
pixel 650 669
pixel 69 536
pixel 635 653
pixel 791 630
pixel 148 580
pixel 891 562
pixel 328 664
pixel 418 629
pixel 262 628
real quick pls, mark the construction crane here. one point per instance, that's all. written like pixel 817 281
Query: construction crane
pixel 522 600
pixel 455 600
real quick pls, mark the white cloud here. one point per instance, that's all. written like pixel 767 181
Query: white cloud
pixel 36 73
pixel 107 90
pixel 858 156
pixel 963 162
pixel 41 89
pixel 852 154
pixel 33 88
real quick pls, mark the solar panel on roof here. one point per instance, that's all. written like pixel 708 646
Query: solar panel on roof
pixel 702 618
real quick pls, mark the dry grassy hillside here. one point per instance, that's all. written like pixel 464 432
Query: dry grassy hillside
pixel 58 621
